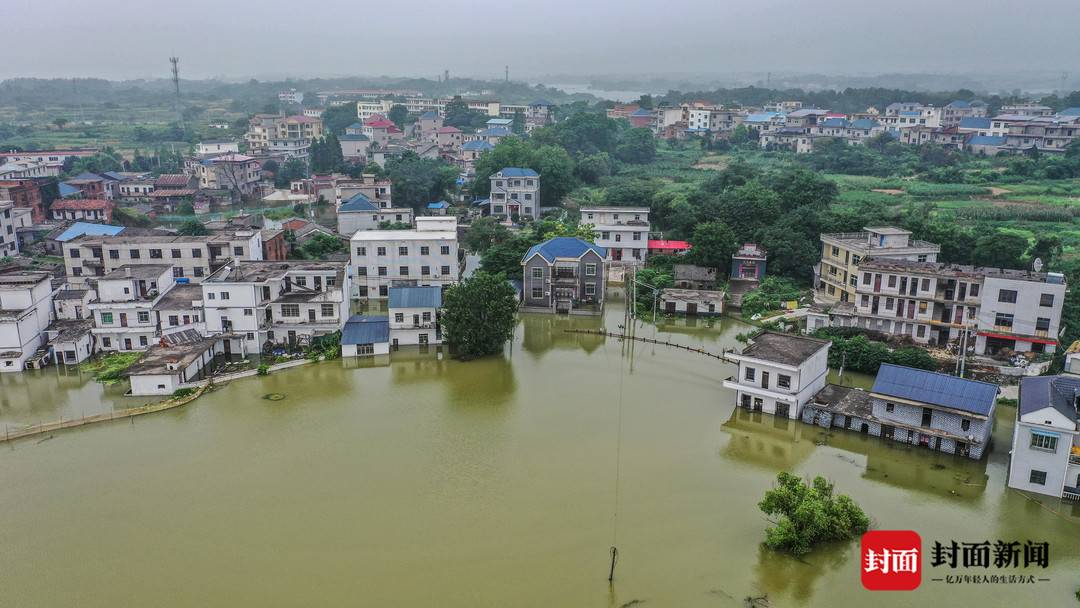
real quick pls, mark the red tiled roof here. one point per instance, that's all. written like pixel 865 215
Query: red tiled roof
pixel 381 123
pixel 300 118
pixel 81 204
pixel 294 224
pixel 172 179
pixel 662 244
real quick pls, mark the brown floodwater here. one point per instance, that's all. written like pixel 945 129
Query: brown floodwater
pixel 433 482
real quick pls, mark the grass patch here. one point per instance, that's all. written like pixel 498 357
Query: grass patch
pixel 109 369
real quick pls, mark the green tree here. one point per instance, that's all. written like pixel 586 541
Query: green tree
pixel 336 118
pixel 809 514
pixel 518 126
pixel 419 181
pixel 478 314
pixel 484 233
pixel 1047 248
pixel 60 122
pixel 505 257
pixel 192 228
pixel 636 146
pixel 321 245
pixel 1000 249
pixel 398 114
pixel 712 245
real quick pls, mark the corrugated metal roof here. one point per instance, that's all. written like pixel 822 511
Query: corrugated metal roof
pixel 936 389
pixel 358 202
pixel 85 228
pixel 1058 392
pixel 366 330
pixel 564 247
pixel 415 297
pixel 518 172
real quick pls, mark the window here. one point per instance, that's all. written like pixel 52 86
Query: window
pixel 144 316
pixel 403 250
pixel 248 312
pixel 637 236
pixel 106 317
pixel 142 340
pixel 1007 295
pixel 445 270
pixel 618 237
pixel 1043 441
pixel 1037 477
pixel 425 250
pixel 177 272
pixel 174 320
pixel 382 271
pixel 1046 299
pixel 74 253
pixel 361 251
pixel 210 295
pixel 175 253
pixel 196 253
pixel 974 290
pixel 889 407
pixel 290 310
pixel 301 281
pixel 866 300
pixel 224 295
pixel 1003 320
pixel 922 307
pixel 403 271
pixel 750 374
pixel 155 254
pixel 965 424
pixel 921 331
pixel 444 250
pixel 538 272
pixel 865 278
pixel 926 284
pixel 537 292
pixel 1042 324
pixel 361 271
pixel 426 317
pixel 380 251
pixel 399 317
pixel 134 253
pixel 327 310
pixel 238 250
pixel 114 254
pixel 783 381
pixel 590 289
pixel 892 280
pixel 590 270
pixel 425 271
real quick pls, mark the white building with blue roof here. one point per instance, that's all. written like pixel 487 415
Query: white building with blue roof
pixel 515 193
pixel 414 315
pixel 564 274
pixel 1045 456
pixel 365 336
pixel 360 213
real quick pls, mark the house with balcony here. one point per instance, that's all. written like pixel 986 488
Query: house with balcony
pixel 123 313
pixel 1045 455
pixel 836 276
pixel 622 231
pixel 913 406
pixel 262 304
pixel 425 256
pixel 26 302
pixel 564 274
pixel 414 315
pixel 360 213
pixel 779 373
pixel 515 192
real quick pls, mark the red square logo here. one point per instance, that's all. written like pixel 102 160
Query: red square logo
pixel 891 560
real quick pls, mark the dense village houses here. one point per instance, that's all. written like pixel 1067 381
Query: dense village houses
pixel 779 373
pixel 836 277
pixel 1045 455
pixel 622 231
pixel 236 173
pixel 564 274
pixel 25 313
pixel 414 315
pixel 52 159
pixel 258 304
pixel 90 210
pixel 914 406
pixel 424 256
pixel 24 194
pixel 191 257
pixel 9 238
pixel 359 213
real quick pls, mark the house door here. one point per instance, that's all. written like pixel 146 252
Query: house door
pixel 746 401
pixel 669 307
pixel 616 254
pixel 782 409
pixel 123 319
pixel 865 429
pixel 226 347
pixel 127 343
pixel 311 315
pixel 764 379
pixel 887 431
pixel 416 320
pixel 927 416
pixel 962 449
pixel 758 403
pixel 691 308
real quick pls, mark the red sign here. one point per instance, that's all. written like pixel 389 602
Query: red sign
pixel 891 560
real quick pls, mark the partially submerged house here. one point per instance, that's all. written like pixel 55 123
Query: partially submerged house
pixel 779 373
pixel 365 336
pixel 692 302
pixel 564 274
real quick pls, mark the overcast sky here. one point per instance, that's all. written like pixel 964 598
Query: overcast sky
pixel 236 39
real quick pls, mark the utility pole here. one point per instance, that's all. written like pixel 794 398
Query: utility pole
pixel 446 76
pixel 175 61
pixel 507 74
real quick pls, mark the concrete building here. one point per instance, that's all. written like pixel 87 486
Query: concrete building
pixel 191 257
pixel 1045 455
pixel 123 313
pixel 360 213
pixel 414 315
pixel 913 406
pixel 426 256
pixel 167 367
pixel 515 192
pixel 261 304
pixel 377 190
pixel 779 373
pixel 622 231
pixel 9 239
pixel 691 302
pixel 25 312
pixel 71 341
pixel 217 146
pixel 837 275
pixel 82 209
pixel 237 173
pixel 564 274
pixel 365 337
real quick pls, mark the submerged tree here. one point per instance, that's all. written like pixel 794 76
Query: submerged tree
pixel 478 314
pixel 809 514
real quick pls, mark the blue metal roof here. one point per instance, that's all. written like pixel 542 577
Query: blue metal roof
pixel 936 389
pixel 865 123
pixel 67 190
pixel 518 172
pixel 352 137
pixel 495 132
pixel 972 122
pixel 366 330
pixel 355 125
pixel 563 247
pixel 481 201
pixel 429 115
pixel 762 116
pixel 1058 392
pixel 415 297
pixel 959 103
pixel 438 205
pixel 1070 112
pixel 641 112
pixel 541 102
pixel 87 229
pixel 834 122
pixel 477 144
pixel 358 202
pixel 910 113
pixel 986 140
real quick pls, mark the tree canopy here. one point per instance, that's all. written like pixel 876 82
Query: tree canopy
pixel 419 181
pixel 478 314
pixel 809 514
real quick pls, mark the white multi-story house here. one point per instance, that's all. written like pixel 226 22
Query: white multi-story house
pixel 217 146
pixel 124 316
pixel 9 240
pixel 1045 455
pixel 180 309
pixel 25 311
pixel 259 304
pixel 414 315
pixel 515 192
pixel 360 213
pixel 622 231
pixel 779 373
pixel 234 172
pixel 425 256
pixel 191 257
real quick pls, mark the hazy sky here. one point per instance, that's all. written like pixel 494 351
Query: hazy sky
pixel 133 38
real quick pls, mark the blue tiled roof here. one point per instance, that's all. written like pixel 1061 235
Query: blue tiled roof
pixel 477 144
pixel 641 112
pixel 500 121
pixel 865 123
pixel 563 247
pixel 910 113
pixel 959 103
pixel 834 122
pixel 987 140
pixel 438 205
pixel 358 202
pixel 936 389
pixel 1070 112
pixel 429 115
pixel 481 201
pixel 67 190
pixel 1058 392
pixel 762 117
pixel 494 132
pixel 113 175
pixel 355 125
pixel 366 330
pixel 85 228
pixel 415 297
pixel 972 122
pixel 352 137
pixel 518 172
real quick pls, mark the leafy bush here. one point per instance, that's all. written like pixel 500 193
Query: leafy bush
pixel 809 514
pixel 324 347
pixel 857 352
pixel 770 295
pixel 180 393
pixel 262 370
pixel 110 368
